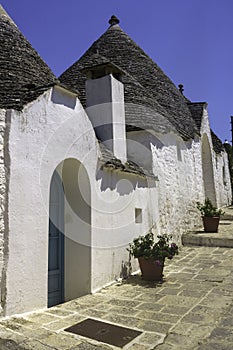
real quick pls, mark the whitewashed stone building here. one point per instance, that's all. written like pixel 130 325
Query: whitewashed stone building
pixel 91 160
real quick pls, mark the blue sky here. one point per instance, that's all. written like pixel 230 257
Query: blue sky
pixel 191 40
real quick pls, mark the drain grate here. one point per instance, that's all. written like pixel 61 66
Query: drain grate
pixel 104 332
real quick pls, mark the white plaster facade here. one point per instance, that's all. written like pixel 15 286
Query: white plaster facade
pixel 54 133
pixel 40 137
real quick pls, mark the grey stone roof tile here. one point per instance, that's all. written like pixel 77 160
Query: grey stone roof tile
pixel 196 109
pixel 145 84
pixel 217 143
pixel 23 74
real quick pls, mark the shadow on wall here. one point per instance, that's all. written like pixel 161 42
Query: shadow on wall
pixel 125 269
pixel 122 182
pixel 139 148
pixel 60 97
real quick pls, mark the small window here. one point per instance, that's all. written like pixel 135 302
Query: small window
pixel 138 215
pixel 224 173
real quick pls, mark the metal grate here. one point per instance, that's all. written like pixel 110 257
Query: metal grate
pixel 104 332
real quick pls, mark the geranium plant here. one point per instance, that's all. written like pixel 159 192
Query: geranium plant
pixel 148 248
pixel 208 209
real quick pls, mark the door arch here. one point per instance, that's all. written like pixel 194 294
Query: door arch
pixel 207 170
pixel 75 210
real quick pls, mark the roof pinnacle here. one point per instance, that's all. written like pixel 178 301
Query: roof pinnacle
pixel 113 20
pixel 181 88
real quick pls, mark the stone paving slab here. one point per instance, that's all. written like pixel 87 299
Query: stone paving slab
pixel 191 309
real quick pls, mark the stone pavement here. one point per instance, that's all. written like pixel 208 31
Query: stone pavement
pixel 191 309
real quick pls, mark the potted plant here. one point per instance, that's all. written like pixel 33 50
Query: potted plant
pixel 151 255
pixel 210 215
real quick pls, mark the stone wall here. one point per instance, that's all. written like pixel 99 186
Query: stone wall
pixel 179 172
pixel 182 181
pixel 177 164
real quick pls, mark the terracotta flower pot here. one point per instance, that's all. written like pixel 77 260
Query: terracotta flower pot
pixel 150 269
pixel 210 223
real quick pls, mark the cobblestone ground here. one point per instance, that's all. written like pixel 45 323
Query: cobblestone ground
pixel 191 309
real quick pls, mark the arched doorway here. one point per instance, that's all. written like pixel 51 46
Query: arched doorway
pixel 56 242
pixel 207 170
pixel 75 209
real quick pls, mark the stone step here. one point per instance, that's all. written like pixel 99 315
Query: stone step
pixel 206 240
pixel 227 217
pixel 222 238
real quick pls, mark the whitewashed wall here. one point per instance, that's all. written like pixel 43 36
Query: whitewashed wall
pixel 114 224
pixel 178 165
pixel 48 131
pixel 41 136
pixel 179 183
pixel 223 181
pixel 219 160
pixel 3 203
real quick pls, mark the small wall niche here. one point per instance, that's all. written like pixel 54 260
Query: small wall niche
pixel 138 215
pixel 178 151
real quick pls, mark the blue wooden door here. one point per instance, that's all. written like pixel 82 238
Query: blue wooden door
pixel 56 242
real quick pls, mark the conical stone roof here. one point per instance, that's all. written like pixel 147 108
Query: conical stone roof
pixel 23 74
pixel 147 88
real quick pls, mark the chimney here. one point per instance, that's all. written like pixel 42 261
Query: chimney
pixel 105 107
